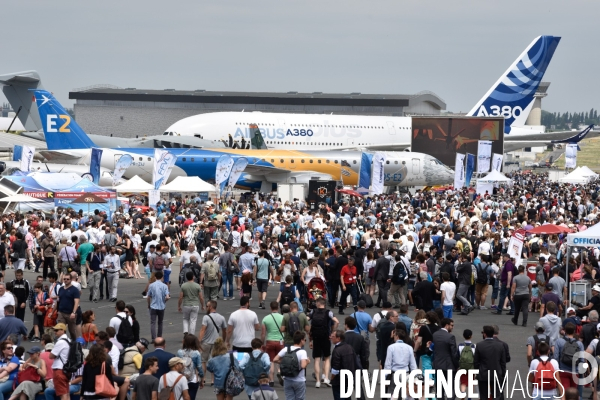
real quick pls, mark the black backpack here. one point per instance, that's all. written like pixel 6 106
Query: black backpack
pixel 536 342
pixel 74 358
pixel 293 324
pixel 289 365
pixel 125 334
pixel 569 350
pixel 319 323
pixel 399 274
pixel 288 295
pixel 482 275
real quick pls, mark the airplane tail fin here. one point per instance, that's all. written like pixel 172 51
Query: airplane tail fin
pixel 256 139
pixel 17 88
pixel 60 129
pixel 512 96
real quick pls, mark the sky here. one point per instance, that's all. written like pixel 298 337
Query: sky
pixel 456 49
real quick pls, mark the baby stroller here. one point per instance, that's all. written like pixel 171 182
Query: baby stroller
pixel 314 290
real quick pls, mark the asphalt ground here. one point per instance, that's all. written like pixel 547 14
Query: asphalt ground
pixel 130 291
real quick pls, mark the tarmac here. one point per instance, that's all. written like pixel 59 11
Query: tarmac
pixel 130 291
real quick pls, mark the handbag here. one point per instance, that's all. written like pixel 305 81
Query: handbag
pixel 29 374
pixel 103 387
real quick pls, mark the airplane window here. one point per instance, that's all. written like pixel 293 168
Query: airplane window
pixel 302 161
pixel 319 161
pixel 292 160
pixel 204 159
pixel 403 162
pixel 335 161
pixel 281 161
pixel 354 162
pixel 192 159
pixel 327 161
pixel 311 161
pixel 184 159
pixel 387 162
pixel 396 162
pixel 272 160
pixel 212 160
pixel 141 159
pixel 149 158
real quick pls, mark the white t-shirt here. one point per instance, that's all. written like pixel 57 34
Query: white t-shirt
pixel 377 318
pixel 6 300
pixel 243 322
pixel 449 289
pixel 534 364
pixel 171 378
pixel 115 321
pixel 302 355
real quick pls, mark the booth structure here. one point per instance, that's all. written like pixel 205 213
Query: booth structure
pixel 188 184
pixel 588 238
pixel 580 175
pixel 134 185
pixel 487 183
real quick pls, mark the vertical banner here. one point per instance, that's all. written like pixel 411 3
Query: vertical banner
pixel 163 163
pixel 570 155
pixel 515 245
pixel 470 168
pixel 17 153
pixel 236 171
pixel 378 173
pixel 121 166
pixel 365 172
pixel 459 171
pixel 484 156
pixel 224 166
pixel 497 162
pixel 27 158
pixel 95 162
pixel 153 198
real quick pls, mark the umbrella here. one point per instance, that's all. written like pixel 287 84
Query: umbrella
pixel 349 192
pixel 549 229
pixel 88 198
pixel 20 198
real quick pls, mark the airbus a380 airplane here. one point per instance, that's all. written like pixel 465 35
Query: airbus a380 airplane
pixel 512 97
pixel 67 142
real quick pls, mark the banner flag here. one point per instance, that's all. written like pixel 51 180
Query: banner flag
pixel 459 171
pixel 27 158
pixel 571 155
pixel 470 168
pixel 17 153
pixel 378 173
pixel 163 164
pixel 224 166
pixel 515 245
pixel 484 156
pixel 153 198
pixel 365 172
pixel 497 162
pixel 121 166
pixel 236 171
pixel 95 162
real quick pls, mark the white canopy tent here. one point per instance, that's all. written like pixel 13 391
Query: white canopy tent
pixel 577 176
pixel 589 172
pixel 134 185
pixel 487 183
pixel 183 184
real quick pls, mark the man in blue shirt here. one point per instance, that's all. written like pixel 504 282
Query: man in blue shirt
pixel 158 295
pixel 68 303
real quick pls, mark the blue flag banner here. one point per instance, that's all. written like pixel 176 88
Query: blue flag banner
pixel 18 153
pixel 121 166
pixel 470 168
pixel 364 182
pixel 95 162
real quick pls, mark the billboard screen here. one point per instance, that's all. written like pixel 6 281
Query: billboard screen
pixel 443 137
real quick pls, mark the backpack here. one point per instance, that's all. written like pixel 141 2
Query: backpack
pixel 234 380
pixel 319 323
pixel 122 353
pixel 166 393
pixel 288 295
pixel 253 370
pixel 189 370
pixel 568 351
pixel 293 324
pixel 74 358
pixel 536 341
pixel 544 376
pixel 399 274
pixel 125 334
pixel 159 263
pixel 466 360
pixel 340 222
pixel 289 365
pixel 110 239
pixel 184 271
pixel 466 245
pixel 482 275
pixel 212 271
pixel 535 248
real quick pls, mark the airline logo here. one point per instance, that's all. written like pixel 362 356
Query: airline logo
pixel 53 124
pixel 514 93
pixel 300 132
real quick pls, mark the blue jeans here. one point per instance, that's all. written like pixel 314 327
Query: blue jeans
pixel 227 278
pixel 6 387
pixel 352 291
pixel 50 393
pixel 294 390
pixel 503 294
pixel 447 311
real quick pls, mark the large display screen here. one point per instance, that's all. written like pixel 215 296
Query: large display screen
pixel 443 137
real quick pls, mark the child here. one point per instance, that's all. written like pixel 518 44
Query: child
pixel 264 391
pixel 535 296
pixel 247 285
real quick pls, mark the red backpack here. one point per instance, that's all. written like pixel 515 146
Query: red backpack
pixel 544 376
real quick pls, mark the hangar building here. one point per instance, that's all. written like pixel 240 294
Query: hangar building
pixel 109 110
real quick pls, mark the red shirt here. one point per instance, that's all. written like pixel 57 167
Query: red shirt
pixel 348 274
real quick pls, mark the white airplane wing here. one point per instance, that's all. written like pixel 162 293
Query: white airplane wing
pixel 57 155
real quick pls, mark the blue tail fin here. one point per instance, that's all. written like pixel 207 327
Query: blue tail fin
pixel 512 95
pixel 61 131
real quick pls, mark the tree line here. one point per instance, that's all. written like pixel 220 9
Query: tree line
pixel 569 120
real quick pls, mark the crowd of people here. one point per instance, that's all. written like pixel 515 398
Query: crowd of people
pixel 334 279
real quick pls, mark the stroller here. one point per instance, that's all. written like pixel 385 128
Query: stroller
pixel 314 290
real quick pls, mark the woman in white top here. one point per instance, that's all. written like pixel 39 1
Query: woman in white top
pixel 311 271
pixel 369 264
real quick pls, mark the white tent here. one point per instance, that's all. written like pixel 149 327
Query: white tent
pixel 578 175
pixel 134 185
pixel 589 172
pixel 183 184
pixel 494 177
pixel 588 238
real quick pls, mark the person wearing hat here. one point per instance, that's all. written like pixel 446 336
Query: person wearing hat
pixel 593 303
pixel 59 353
pixel 36 373
pixel 132 358
pixel 264 391
pixel 175 379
